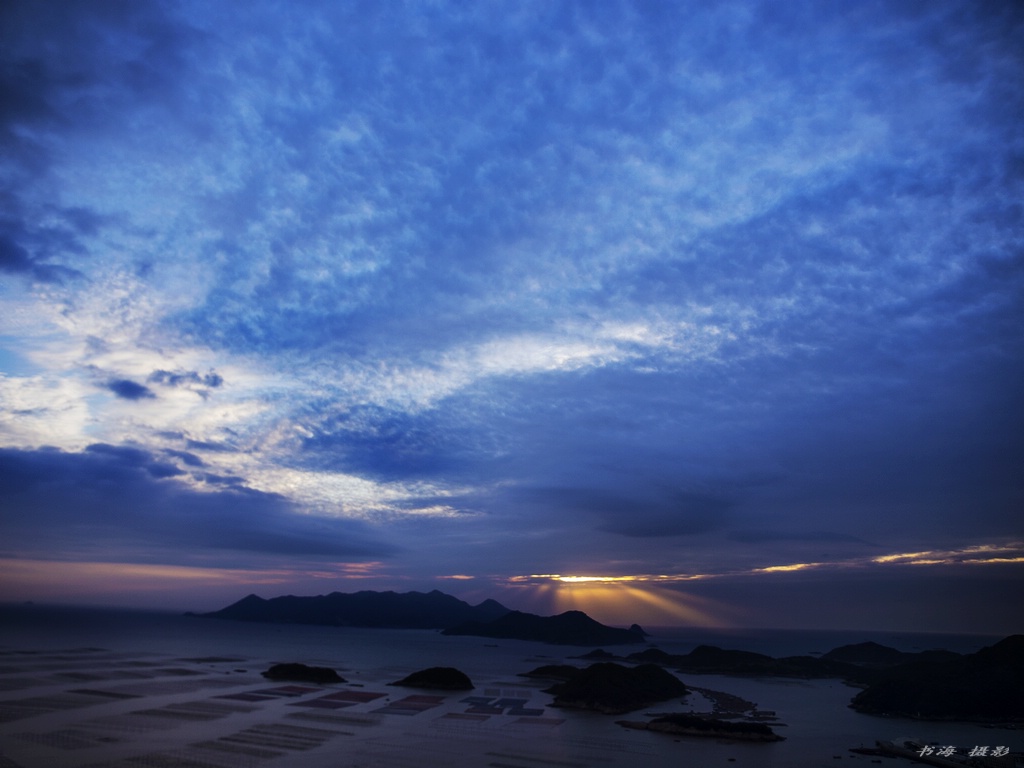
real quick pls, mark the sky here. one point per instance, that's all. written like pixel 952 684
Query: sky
pixel 705 314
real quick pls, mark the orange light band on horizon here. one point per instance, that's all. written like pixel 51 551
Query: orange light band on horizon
pixel 785 568
pixel 1014 553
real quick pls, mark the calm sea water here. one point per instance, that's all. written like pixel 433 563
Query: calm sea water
pixel 818 723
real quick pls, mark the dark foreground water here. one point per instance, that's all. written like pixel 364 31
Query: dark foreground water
pixel 84 687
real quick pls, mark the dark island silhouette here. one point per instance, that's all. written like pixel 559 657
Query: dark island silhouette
pixel 612 688
pixel 302 673
pixel 391 610
pixel 874 655
pixel 985 686
pixel 552 672
pixel 569 628
pixel 711 660
pixel 438 679
pixel 432 610
pixel 682 724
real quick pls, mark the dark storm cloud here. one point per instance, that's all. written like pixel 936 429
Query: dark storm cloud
pixel 68 67
pixel 630 510
pixel 187 458
pixel 130 390
pixel 763 465
pixel 115 499
pixel 23 88
pixel 15 256
pixel 184 378
pixel 753 536
pixel 115 458
pixel 209 477
pixel 68 62
pixel 670 514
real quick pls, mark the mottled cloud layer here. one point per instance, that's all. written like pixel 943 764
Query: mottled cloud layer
pixel 623 287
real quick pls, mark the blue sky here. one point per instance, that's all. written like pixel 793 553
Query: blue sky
pixel 719 305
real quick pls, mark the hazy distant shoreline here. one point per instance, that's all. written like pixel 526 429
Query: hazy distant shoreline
pixel 772 641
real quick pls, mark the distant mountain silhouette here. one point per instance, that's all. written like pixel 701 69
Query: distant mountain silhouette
pixel 569 628
pixel 865 653
pixel 986 686
pixel 711 660
pixel 873 654
pixel 983 686
pixel 393 610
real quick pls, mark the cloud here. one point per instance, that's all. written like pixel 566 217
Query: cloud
pixel 187 458
pixel 629 510
pixel 670 514
pixel 130 390
pixel 184 378
pixel 205 445
pixel 15 259
pixel 647 279
pixel 757 536
pixel 121 501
